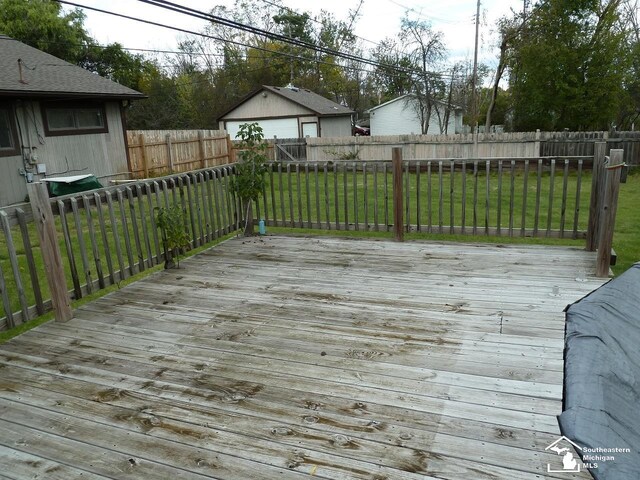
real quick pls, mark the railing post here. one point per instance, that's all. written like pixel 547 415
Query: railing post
pixel 398 207
pixel 54 270
pixel 595 204
pixel 608 214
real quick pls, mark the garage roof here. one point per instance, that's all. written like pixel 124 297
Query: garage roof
pixel 318 104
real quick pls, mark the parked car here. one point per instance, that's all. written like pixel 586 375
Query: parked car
pixel 359 131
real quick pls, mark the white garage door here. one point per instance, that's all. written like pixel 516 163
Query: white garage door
pixel 279 127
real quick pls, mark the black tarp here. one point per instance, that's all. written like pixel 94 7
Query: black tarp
pixel 602 376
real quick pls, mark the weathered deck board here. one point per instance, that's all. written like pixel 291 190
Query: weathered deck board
pixel 290 357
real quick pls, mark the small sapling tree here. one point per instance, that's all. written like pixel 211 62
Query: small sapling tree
pixel 249 181
pixel 175 236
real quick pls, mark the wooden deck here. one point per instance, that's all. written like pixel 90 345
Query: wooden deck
pixel 285 357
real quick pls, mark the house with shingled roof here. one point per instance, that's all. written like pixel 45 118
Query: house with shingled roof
pixel 57 119
pixel 289 112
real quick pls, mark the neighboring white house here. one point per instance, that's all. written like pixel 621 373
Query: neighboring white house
pixel 401 116
pixel 289 112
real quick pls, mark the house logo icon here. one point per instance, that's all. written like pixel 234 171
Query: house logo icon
pixel 562 448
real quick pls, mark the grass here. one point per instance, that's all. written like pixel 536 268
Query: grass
pixel 626 238
pixel 315 201
pixel 306 199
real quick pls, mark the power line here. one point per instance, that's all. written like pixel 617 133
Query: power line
pixel 258 31
pixel 290 10
pixel 426 16
pixel 276 36
pixel 258 48
pixel 224 40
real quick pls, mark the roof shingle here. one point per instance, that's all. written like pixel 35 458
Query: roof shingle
pixel 310 100
pixel 46 75
pixel 318 104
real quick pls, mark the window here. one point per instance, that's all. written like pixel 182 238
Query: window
pixel 75 119
pixel 8 140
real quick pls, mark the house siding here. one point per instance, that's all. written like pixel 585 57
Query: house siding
pixel 269 106
pixel 400 118
pixel 286 118
pixel 271 127
pixel 102 154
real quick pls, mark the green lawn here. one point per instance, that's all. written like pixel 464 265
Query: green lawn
pixel 626 239
pixel 330 202
pixel 338 200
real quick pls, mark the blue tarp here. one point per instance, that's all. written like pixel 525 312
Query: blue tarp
pixel 602 378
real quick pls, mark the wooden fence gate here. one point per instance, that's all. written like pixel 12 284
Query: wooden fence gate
pixel 290 149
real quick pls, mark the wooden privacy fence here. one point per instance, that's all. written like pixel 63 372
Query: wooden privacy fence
pixel 416 147
pixel 160 152
pixel 583 143
pixel 290 149
pixel 499 145
pixel 106 236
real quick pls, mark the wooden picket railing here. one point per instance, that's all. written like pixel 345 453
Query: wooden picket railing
pixel 527 197
pixel 106 236
pixel 99 238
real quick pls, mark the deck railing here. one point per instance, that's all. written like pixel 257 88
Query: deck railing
pixel 108 235
pixel 527 197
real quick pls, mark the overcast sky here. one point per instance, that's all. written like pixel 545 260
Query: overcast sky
pixel 378 19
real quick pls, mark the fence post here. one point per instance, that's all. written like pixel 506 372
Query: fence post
pixel 537 144
pixel 398 207
pixel 54 270
pixel 231 154
pixel 169 151
pixel 143 150
pixel 595 204
pixel 201 149
pixel 608 214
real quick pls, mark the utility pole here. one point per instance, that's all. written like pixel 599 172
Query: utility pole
pixel 474 81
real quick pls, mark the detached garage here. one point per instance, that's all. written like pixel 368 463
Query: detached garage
pixel 289 112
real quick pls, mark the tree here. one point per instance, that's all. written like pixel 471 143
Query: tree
pixel 158 111
pixel 43 25
pixel 425 51
pixel 394 78
pixel 410 67
pixel 509 29
pixel 629 114
pixel 115 63
pixel 567 66
pixel 249 181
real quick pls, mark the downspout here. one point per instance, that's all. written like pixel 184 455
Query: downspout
pixel 27 132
